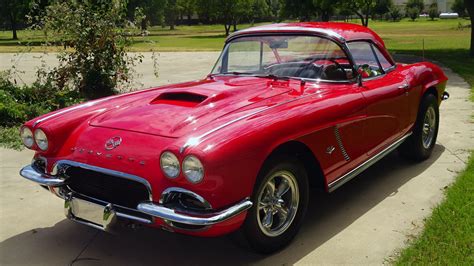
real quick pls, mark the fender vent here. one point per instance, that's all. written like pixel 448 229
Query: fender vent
pixel 180 98
pixel 339 143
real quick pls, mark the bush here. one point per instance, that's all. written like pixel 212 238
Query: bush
pixel 21 103
pixel 395 14
pixel 433 11
pixel 93 34
pixel 413 13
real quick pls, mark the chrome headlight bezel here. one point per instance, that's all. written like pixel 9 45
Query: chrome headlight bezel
pixel 27 137
pixel 193 169
pixel 41 139
pixel 169 164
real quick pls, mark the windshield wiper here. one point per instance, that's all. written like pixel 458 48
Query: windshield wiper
pixel 272 76
pixel 237 73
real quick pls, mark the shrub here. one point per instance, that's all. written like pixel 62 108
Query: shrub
pixel 92 32
pixel 395 13
pixel 21 103
pixel 433 11
pixel 413 13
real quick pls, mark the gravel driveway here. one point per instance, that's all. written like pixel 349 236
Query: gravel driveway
pixel 365 222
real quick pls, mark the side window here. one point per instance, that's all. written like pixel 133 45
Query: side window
pixel 382 59
pixel 364 57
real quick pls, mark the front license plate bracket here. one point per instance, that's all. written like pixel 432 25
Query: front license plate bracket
pixel 89 213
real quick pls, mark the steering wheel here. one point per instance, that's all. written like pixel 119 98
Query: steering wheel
pixel 337 64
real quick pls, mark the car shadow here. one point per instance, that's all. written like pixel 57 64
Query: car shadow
pixel 328 214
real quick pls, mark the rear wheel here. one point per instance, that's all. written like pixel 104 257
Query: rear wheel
pixel 280 200
pixel 420 144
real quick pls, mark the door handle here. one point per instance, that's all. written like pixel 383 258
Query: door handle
pixel 404 87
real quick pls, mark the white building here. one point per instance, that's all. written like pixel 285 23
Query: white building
pixel 443 5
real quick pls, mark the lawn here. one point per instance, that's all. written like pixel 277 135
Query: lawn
pixel 448 237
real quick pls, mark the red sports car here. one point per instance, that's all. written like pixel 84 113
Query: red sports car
pixel 286 106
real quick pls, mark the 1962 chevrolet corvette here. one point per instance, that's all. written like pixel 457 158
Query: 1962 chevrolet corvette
pixel 286 106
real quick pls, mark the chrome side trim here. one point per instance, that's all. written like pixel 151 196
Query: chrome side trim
pixel 106 171
pixel 362 167
pixel 165 213
pixel 43 179
pixel 79 106
pixel 339 143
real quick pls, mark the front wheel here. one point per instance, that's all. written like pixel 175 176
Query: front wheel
pixel 420 144
pixel 280 200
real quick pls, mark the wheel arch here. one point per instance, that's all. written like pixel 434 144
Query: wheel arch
pixel 304 154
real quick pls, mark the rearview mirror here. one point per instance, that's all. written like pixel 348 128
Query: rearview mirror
pixel 279 44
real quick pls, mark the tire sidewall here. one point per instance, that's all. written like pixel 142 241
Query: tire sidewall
pixel 428 100
pixel 251 229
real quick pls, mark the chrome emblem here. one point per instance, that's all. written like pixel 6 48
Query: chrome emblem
pixel 330 150
pixel 113 143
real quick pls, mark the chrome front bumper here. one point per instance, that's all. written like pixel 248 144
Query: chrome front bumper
pixel 169 215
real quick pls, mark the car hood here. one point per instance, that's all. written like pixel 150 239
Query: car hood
pixel 180 109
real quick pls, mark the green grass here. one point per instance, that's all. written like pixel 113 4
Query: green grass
pixel 448 236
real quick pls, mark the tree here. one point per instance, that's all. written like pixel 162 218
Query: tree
pixel 470 9
pixel 382 7
pixel 187 8
pixel 362 8
pixel 395 14
pixel 413 13
pixel 171 13
pixel 275 9
pixel 230 13
pixel 417 4
pixel 151 11
pixel 206 10
pixel 94 60
pixel 459 7
pixel 259 10
pixel 305 10
pixel 13 12
pixel 433 11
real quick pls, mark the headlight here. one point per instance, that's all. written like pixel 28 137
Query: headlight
pixel 41 139
pixel 27 137
pixel 193 169
pixel 169 164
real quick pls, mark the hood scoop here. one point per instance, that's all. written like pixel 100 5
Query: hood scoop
pixel 185 99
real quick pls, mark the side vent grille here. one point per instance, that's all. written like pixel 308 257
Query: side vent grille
pixel 339 143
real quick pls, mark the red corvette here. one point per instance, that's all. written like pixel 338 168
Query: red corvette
pixel 286 106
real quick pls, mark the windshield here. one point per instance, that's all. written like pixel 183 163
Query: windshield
pixel 309 57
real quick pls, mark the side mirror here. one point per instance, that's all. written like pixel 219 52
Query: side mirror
pixel 363 71
pixel 359 80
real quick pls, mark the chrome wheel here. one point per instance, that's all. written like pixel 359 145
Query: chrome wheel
pixel 277 203
pixel 429 127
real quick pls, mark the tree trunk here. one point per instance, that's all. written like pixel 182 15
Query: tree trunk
pixel 361 17
pixel 13 25
pixel 189 19
pixel 470 9
pixel 227 29
pixel 325 16
pixel 235 25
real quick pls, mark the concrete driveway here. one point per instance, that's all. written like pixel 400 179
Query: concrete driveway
pixel 365 222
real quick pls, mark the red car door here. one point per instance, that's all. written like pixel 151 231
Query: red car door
pixel 385 91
